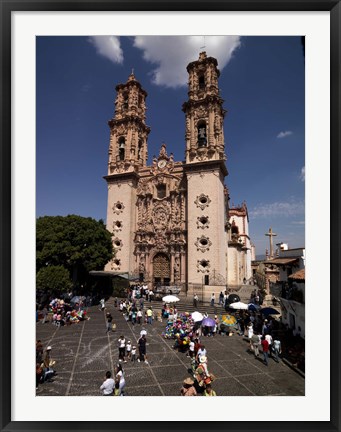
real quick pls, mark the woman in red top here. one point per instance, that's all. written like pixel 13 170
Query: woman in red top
pixel 265 346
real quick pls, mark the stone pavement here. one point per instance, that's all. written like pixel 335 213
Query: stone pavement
pixel 84 352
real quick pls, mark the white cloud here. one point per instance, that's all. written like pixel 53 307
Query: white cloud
pixel 170 53
pixel 109 47
pixel 284 134
pixel 277 209
pixel 302 175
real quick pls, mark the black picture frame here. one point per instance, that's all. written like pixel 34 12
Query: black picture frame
pixel 7 7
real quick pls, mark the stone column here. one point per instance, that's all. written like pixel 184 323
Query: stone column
pixel 183 267
pixel 149 266
pixel 172 268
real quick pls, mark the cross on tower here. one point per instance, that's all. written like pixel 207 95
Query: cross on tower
pixel 271 234
pixel 203 47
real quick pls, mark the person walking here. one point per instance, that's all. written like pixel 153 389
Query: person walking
pixel 119 379
pixel 150 315
pixel 102 304
pixel 265 346
pixel 109 322
pixel 121 349
pixel 250 333
pixel 212 299
pixel 255 344
pixel 268 337
pixel 202 352
pixel 129 348
pixel 133 354
pixel 108 385
pixel 277 349
pixel 195 300
pixel 142 342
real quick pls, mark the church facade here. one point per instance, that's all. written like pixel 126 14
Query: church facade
pixel 170 220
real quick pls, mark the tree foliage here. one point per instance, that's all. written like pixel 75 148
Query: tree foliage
pixel 54 279
pixel 77 243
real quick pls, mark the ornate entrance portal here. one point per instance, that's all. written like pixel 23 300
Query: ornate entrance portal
pixel 161 269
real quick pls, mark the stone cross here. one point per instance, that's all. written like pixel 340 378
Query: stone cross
pixel 271 234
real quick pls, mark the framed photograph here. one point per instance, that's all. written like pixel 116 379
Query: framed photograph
pixel 58 62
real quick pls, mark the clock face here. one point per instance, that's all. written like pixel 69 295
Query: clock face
pixel 161 163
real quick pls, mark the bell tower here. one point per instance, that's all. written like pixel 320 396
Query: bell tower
pixel 127 158
pixel 205 172
pixel 204 112
pixel 128 130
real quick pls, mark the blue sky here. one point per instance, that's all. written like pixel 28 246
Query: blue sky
pixel 262 83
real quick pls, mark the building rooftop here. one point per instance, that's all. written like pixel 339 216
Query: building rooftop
pixel 299 275
pixel 281 261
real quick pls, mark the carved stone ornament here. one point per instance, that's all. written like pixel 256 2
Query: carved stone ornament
pixel 117 243
pixel 117 225
pixel 118 207
pixel 160 241
pixel 202 201
pixel 116 264
pixel 120 130
pixel 203 243
pixel 160 217
pixel 203 266
pixel 203 222
pixel 163 163
pixel 201 112
pixel 202 153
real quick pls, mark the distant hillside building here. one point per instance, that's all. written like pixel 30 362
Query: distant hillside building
pixel 170 221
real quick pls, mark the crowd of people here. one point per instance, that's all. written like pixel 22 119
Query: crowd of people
pixel 114 386
pixel 134 311
pixel 62 312
pixel 187 333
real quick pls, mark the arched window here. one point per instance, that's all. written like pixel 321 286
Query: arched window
pixel 234 228
pixel 121 148
pixel 161 191
pixel 125 100
pixel 202 84
pixel 202 134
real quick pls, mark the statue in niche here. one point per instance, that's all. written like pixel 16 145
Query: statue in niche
pixel 176 267
pixel 217 124
pixel 142 266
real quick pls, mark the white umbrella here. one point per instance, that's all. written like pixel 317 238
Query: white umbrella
pixel 197 316
pixel 238 305
pixel 170 299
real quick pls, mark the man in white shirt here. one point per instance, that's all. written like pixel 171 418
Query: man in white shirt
pixel 191 349
pixel 201 352
pixel 108 385
pixel 269 339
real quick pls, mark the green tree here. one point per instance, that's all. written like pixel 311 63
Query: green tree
pixel 53 278
pixel 77 243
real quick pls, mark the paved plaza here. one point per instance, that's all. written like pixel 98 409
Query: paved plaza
pixel 84 352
